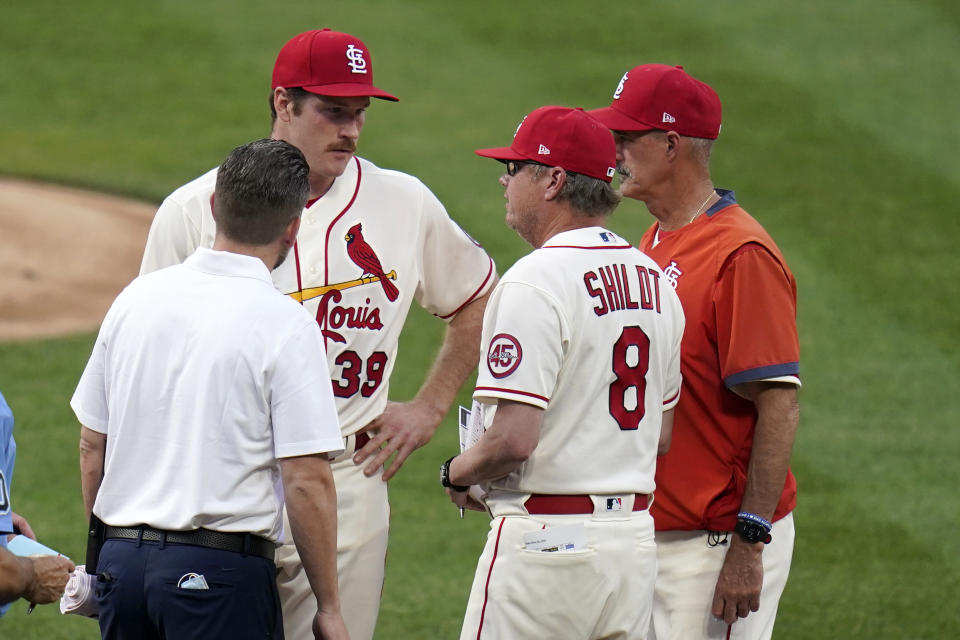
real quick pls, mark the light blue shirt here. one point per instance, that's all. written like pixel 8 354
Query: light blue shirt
pixel 8 454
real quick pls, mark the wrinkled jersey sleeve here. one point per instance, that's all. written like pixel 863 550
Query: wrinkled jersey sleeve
pixel 756 307
pixel 455 268
pixel 522 346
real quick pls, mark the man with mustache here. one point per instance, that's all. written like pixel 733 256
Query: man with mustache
pixel 321 89
pixel 724 490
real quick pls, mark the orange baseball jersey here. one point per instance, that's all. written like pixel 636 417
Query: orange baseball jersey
pixel 740 301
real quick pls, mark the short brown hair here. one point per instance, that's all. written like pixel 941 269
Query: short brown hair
pixel 261 187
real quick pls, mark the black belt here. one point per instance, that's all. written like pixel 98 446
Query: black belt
pixel 245 543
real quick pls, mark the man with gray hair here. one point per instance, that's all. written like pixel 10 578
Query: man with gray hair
pixel 206 387
pixel 725 493
pixel 579 374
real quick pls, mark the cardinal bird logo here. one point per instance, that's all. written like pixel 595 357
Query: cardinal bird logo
pixel 364 257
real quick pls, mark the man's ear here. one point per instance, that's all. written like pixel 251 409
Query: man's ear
pixel 281 104
pixel 290 233
pixel 558 178
pixel 672 138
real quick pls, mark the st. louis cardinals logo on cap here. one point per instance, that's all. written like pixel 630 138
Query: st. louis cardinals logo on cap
pixel 358 64
pixel 504 355
pixel 623 80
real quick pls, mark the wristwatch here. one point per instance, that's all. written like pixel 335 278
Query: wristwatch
pixel 445 477
pixel 752 532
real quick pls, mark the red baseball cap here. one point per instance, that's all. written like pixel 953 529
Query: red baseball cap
pixel 327 63
pixel 663 97
pixel 562 137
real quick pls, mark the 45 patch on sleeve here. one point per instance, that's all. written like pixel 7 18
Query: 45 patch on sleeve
pixel 504 355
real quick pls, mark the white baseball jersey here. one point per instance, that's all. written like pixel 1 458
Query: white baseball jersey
pixel 418 251
pixel 201 378
pixel 586 328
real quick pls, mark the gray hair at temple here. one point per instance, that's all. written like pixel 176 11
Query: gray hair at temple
pixel 588 196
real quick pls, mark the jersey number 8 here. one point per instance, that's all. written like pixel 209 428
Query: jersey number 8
pixel 631 361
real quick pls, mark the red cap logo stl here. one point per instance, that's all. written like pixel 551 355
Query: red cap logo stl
pixel 503 356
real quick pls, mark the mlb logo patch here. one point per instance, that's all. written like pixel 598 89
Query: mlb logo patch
pixel 606 236
pixel 614 504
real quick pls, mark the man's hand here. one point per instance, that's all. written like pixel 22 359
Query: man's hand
pixel 401 428
pixel 329 626
pixel 21 526
pixel 465 500
pixel 740 581
pixel 405 426
pixel 50 575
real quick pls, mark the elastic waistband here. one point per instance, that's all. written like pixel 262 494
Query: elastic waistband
pixel 543 504
pixel 243 543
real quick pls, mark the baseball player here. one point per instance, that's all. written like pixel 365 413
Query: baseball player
pixel 576 386
pixel 725 493
pixel 372 241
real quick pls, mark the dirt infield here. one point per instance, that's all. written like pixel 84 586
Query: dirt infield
pixel 64 254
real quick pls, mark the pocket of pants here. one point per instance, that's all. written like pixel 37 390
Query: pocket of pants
pixel 103 588
pixel 557 556
pixel 199 602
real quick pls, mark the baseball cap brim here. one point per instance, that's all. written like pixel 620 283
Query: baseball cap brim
pixel 501 153
pixel 350 90
pixel 617 121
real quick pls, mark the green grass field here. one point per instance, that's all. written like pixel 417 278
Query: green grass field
pixel 839 121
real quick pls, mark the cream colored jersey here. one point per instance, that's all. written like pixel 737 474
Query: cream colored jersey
pixel 374 243
pixel 586 328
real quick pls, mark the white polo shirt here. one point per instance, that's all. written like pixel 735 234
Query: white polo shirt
pixel 202 376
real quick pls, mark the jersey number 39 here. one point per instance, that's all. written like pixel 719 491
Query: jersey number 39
pixel 631 361
pixel 349 382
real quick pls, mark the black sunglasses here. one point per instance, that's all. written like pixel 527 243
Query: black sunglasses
pixel 514 166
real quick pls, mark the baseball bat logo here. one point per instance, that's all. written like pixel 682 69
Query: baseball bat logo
pixel 315 292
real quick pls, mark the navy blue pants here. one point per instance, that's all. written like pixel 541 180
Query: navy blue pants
pixel 139 598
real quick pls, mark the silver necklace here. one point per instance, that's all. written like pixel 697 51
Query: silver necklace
pixel 700 209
